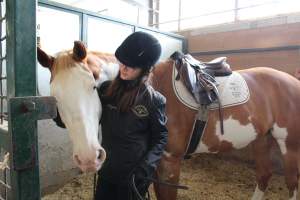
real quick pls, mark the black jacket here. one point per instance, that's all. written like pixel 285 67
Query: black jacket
pixel 130 138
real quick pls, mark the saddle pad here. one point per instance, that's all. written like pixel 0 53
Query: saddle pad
pixel 233 90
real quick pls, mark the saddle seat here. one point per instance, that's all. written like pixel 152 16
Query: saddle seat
pixel 218 66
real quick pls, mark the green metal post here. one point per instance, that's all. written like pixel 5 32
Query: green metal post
pixel 21 81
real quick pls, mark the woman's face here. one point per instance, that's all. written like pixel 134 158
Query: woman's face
pixel 129 73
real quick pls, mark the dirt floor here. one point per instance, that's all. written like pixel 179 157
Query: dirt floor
pixel 209 177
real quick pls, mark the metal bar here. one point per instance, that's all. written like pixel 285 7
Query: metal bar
pixel 150 13
pixel 236 6
pixel 83 28
pixel 179 15
pixel 252 50
pixel 21 81
pixel 1 86
pixel 156 14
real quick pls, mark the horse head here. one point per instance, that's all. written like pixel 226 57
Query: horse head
pixel 74 78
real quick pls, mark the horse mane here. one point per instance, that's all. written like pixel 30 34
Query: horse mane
pixel 108 57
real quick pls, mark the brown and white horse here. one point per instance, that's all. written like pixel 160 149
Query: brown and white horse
pixel 271 114
pixel 74 79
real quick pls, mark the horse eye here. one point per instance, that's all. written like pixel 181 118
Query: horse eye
pixel 94 88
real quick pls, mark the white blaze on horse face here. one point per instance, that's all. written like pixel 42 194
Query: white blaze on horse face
pixel 280 135
pixel 236 133
pixel 80 109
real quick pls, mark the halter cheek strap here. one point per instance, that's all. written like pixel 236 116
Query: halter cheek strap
pixel 58 121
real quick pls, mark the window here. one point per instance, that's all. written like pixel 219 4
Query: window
pixel 57 31
pixel 199 13
pixel 105 35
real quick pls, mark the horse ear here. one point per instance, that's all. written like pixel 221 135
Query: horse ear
pixel 79 51
pixel 44 59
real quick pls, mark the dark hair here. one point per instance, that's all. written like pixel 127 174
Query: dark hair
pixel 125 92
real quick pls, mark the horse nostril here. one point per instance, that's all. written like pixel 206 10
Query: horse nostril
pixel 102 154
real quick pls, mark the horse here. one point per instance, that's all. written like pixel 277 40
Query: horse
pixel 270 115
pixel 74 79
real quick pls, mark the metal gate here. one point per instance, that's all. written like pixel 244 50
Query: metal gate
pixel 20 107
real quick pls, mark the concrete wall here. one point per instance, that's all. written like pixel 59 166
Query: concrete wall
pixel 271 42
pixel 55 157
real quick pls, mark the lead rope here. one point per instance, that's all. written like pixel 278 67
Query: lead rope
pixel 94 189
pixel 95 178
pixel 136 191
pixel 139 196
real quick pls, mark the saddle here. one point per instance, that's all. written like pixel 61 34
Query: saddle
pixel 199 79
pixel 217 67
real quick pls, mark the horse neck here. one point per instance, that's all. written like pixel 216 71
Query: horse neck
pixel 108 64
pixel 161 75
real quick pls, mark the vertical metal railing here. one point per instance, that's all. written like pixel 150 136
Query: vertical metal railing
pixel 3 112
pixel 24 107
pixel 5 187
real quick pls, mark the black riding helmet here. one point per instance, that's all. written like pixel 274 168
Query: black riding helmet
pixel 139 50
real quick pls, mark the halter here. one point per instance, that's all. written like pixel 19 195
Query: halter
pixel 58 121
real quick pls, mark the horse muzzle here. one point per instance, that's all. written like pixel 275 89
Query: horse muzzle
pixel 91 165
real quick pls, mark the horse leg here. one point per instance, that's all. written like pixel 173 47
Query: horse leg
pixel 168 171
pixel 290 151
pixel 291 172
pixel 261 152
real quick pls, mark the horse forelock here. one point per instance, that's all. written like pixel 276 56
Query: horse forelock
pixel 63 60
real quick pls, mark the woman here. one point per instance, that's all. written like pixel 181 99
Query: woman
pixel 133 122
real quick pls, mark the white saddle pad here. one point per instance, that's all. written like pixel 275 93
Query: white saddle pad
pixel 233 90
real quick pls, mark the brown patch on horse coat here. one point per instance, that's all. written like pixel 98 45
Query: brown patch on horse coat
pixel 92 62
